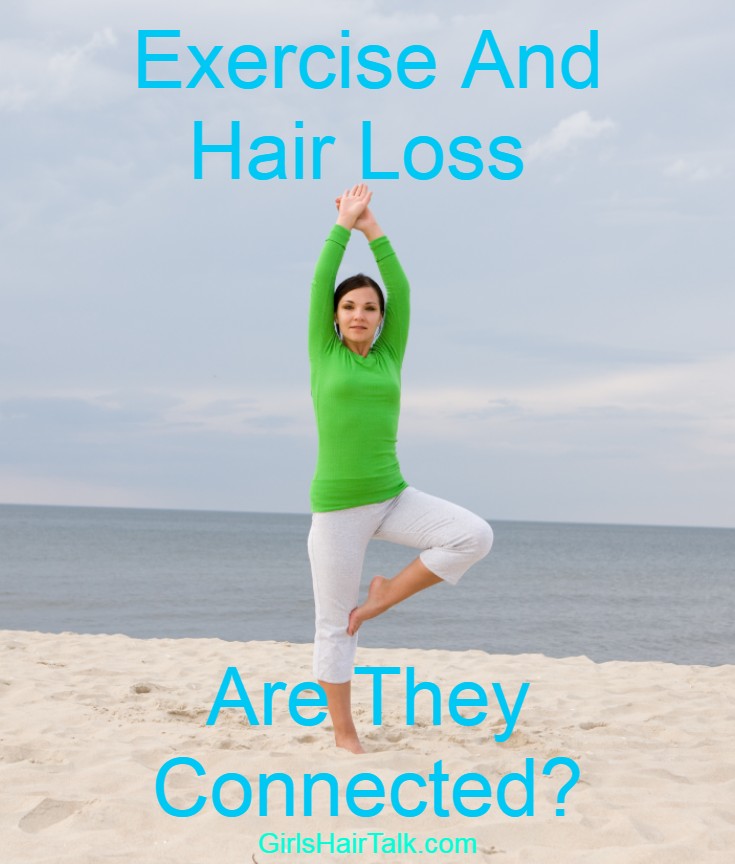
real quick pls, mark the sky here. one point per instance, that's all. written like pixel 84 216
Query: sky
pixel 571 355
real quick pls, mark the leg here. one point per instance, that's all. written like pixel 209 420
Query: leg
pixel 337 544
pixel 452 540
pixel 340 710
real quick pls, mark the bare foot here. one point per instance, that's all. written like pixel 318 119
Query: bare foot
pixel 349 742
pixel 375 604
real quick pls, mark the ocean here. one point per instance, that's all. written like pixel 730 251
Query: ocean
pixel 610 592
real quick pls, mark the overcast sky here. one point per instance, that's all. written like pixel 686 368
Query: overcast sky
pixel 572 355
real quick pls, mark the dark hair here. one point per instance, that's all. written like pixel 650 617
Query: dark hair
pixel 359 280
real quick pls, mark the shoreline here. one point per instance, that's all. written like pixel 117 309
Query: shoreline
pixel 308 645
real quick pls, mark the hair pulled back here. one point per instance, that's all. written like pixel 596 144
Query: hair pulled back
pixel 359 280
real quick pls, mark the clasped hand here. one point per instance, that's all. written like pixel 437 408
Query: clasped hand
pixel 353 209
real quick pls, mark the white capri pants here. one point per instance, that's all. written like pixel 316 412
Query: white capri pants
pixel 452 540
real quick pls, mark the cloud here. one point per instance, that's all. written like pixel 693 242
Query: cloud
pixel 14 97
pixel 678 396
pixel 65 62
pixel 566 133
pixel 79 418
pixel 693 168
pixel 35 74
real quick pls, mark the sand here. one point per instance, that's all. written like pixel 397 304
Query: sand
pixel 88 721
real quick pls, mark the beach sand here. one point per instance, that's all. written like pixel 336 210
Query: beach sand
pixel 88 721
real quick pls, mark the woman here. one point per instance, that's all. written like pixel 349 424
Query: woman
pixel 356 345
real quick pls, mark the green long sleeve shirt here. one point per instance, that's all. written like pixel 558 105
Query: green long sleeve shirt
pixel 357 400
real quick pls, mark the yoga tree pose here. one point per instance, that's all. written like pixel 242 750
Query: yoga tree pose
pixel 357 340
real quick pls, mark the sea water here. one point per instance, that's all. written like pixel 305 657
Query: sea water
pixel 609 592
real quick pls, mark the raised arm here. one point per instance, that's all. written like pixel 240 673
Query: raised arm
pixel 351 205
pixel 394 335
pixel 321 305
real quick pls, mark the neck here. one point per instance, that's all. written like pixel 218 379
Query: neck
pixel 362 349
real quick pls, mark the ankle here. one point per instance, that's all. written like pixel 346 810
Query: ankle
pixel 345 730
pixel 349 741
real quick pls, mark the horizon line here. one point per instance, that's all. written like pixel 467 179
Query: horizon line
pixel 308 513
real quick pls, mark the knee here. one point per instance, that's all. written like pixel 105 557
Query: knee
pixel 332 627
pixel 483 539
pixel 475 541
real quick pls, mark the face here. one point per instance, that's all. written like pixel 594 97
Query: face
pixel 358 316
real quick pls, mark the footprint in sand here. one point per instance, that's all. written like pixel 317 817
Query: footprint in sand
pixel 231 744
pixel 184 713
pixel 592 724
pixel 141 688
pixel 47 813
